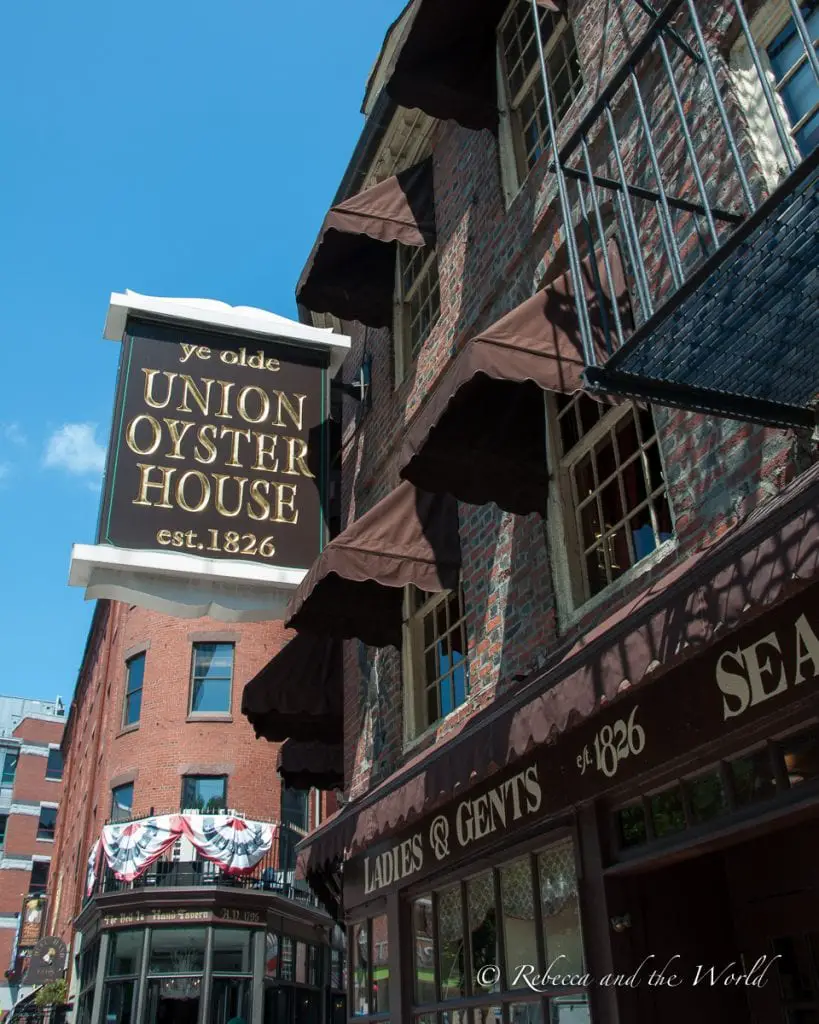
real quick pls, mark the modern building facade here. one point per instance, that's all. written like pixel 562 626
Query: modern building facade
pixel 30 789
pixel 174 886
pixel 576 583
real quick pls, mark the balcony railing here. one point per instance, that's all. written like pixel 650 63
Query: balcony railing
pixel 710 167
pixel 182 866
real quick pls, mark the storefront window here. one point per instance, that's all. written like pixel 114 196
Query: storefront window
pixel 177 951
pixel 467 919
pixel 125 950
pixel 451 944
pixel 119 1002
pixel 271 958
pixel 173 1000
pixel 381 964
pixel 753 777
pixel 801 755
pixel 230 999
pixel 286 969
pixel 706 797
pixel 631 826
pixel 519 931
pixel 424 951
pixel 560 909
pixel 483 925
pixel 667 812
pixel 360 953
pixel 370 966
pixel 232 951
pixel 278 1004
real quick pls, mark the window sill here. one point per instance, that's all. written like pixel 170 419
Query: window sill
pixel 431 730
pixel 207 716
pixel 126 729
pixel 42 839
pixel 664 551
pixel 53 778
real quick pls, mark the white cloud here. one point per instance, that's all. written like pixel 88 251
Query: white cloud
pixel 12 433
pixel 74 447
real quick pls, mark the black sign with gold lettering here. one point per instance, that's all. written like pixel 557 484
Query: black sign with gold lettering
pixel 218 448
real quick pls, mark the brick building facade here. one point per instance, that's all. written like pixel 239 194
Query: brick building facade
pixel 155 729
pixel 30 792
pixel 555 603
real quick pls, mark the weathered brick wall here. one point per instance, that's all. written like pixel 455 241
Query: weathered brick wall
pixel 491 258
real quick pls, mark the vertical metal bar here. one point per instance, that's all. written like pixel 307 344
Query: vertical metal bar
pixel 606 261
pixel 726 124
pixel 804 35
pixel 598 286
pixel 689 144
pixel 207 979
pixel 664 213
pixel 142 982
pixel 574 263
pixel 99 981
pixel 639 267
pixel 770 99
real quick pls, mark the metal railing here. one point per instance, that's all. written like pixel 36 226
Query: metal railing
pixel 669 144
pixel 182 866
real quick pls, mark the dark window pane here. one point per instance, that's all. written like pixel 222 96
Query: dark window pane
pixel 753 778
pixel 47 823
pixel 450 937
pixel 54 767
pixel 136 673
pixel 122 801
pixel 294 807
pixel 133 689
pixel 631 826
pixel 230 1000
pixel 308 1007
pixel 119 1002
pixel 667 812
pixel 9 768
pixel 232 951
pixel 424 950
pixel 278 1004
pixel 177 951
pixel 706 797
pixel 801 755
pixel 4 818
pixel 39 876
pixel 483 922
pixel 125 951
pixel 360 953
pixel 205 793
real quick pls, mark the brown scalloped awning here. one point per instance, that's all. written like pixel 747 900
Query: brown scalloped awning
pixel 772 557
pixel 481 436
pixel 351 270
pixel 446 64
pixel 299 693
pixel 311 764
pixel 355 586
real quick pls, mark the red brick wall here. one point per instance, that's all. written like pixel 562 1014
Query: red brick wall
pixel 166 743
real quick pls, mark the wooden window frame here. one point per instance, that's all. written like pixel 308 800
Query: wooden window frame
pixel 414 673
pixel 574 595
pixel 514 158
pixel 408 346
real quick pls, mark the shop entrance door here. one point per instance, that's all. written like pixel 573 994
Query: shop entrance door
pixel 166 1010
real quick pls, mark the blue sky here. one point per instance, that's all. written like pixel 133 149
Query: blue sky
pixel 181 149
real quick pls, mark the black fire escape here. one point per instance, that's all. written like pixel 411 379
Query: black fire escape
pixel 714 188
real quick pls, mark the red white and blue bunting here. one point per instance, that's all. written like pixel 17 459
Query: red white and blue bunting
pixel 235 844
pixel 93 867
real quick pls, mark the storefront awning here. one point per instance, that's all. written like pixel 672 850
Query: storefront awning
pixel 354 589
pixel 446 64
pixel 299 693
pixel 351 271
pixel 772 556
pixel 311 764
pixel 481 436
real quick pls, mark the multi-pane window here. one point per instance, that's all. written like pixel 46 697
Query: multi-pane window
pixel 437 642
pixel 134 674
pixel 294 804
pixel 614 485
pixel 4 820
pixel 795 81
pixel 418 299
pixel 54 766
pixel 370 967
pixel 205 793
pixel 39 877
pixel 527 907
pixel 9 768
pixel 47 823
pixel 211 678
pixel 122 802
pixel 521 72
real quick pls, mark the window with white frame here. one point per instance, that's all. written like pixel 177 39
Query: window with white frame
pixel 436 665
pixel 525 128
pixel 612 485
pixel 785 62
pixel 417 302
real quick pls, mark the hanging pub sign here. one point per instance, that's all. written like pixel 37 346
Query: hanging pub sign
pixel 216 485
pixel 31 921
pixel 47 961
